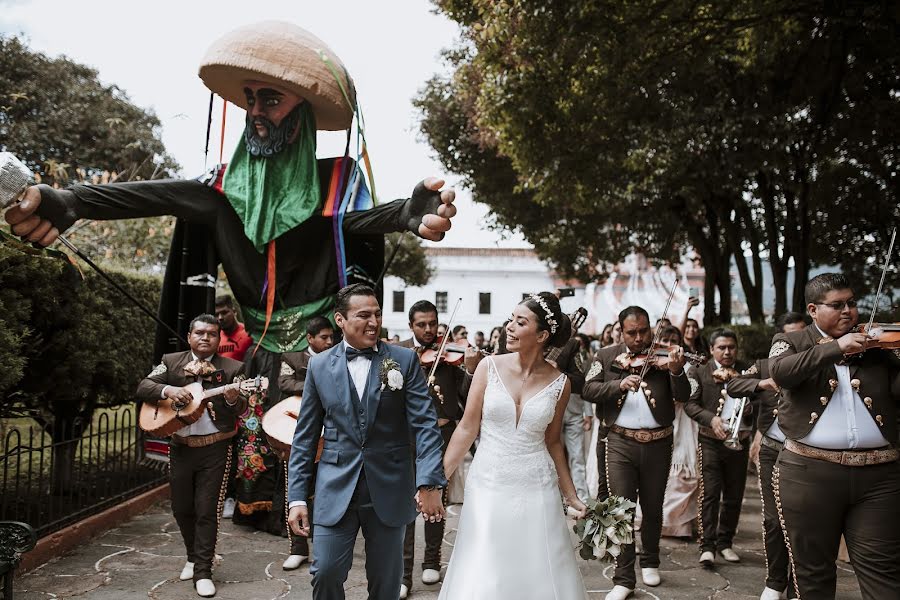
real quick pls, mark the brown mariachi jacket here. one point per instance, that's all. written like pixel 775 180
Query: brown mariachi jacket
pixel 171 372
pixel 454 383
pixel 292 375
pixel 602 388
pixel 747 384
pixel 707 399
pixel 802 364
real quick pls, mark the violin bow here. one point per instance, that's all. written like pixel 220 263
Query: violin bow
pixel 887 263
pixel 443 342
pixel 658 332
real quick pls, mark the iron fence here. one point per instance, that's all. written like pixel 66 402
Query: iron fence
pixel 50 484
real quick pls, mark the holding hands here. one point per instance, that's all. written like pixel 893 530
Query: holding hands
pixel 430 504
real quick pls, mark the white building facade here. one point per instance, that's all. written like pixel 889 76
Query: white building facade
pixel 490 282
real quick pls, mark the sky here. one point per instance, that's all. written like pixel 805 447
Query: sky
pixel 152 51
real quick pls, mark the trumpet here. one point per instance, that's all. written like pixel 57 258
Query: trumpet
pixel 734 425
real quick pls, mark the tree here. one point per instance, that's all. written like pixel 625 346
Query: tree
pixel 410 263
pixel 763 128
pixel 58 118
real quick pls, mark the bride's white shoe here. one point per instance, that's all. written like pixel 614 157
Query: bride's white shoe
pixel 619 592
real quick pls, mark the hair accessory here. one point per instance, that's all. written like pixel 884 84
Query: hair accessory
pixel 548 314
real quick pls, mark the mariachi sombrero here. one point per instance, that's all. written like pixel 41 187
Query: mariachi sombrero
pixel 286 55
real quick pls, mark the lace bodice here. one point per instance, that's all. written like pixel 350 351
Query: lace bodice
pixel 511 453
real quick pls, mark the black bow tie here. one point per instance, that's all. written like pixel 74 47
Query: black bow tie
pixel 365 352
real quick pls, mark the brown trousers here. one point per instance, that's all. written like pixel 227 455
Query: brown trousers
pixel 635 468
pixel 434 532
pixel 724 474
pixel 196 478
pixel 777 564
pixel 819 501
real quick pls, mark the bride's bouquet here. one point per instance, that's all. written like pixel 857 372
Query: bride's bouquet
pixel 607 527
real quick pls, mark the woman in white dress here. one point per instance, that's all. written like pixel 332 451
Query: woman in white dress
pixel 513 542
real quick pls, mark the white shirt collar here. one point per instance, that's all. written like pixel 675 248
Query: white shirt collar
pixel 310 351
pixel 346 345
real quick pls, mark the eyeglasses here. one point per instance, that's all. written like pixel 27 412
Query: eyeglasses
pixel 838 306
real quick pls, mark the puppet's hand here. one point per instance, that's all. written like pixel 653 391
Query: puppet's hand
pixel 41 215
pixel 429 210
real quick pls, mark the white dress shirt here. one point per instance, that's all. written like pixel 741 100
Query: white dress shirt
pixel 775 432
pixel 202 426
pixel 359 372
pixel 635 413
pixel 845 423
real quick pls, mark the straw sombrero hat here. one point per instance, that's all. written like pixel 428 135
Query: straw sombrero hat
pixel 286 55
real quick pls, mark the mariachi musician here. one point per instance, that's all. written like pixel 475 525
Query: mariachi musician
pixel 838 472
pixel 200 453
pixel 292 376
pixel 448 392
pixel 638 406
pixel 767 443
pixel 723 452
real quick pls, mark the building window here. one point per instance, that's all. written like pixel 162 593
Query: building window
pixel 399 301
pixel 484 303
pixel 440 301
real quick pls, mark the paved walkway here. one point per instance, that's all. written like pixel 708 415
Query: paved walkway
pixel 144 556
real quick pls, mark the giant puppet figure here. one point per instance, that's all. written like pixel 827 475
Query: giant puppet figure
pixel 288 229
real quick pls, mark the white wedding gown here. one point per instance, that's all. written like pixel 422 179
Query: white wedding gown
pixel 513 542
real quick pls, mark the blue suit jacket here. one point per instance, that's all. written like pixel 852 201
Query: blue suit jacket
pixel 373 435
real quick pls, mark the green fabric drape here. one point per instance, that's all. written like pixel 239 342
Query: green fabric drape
pixel 275 194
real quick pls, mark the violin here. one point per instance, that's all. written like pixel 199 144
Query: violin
pixel 452 354
pixel 883 336
pixel 657 355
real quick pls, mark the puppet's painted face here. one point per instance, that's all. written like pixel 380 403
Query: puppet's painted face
pixel 273 118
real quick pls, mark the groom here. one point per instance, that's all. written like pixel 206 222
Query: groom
pixel 367 399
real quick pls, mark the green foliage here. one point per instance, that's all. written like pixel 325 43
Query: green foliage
pixel 68 127
pixel 58 118
pixel 760 128
pixel 410 264
pixel 74 344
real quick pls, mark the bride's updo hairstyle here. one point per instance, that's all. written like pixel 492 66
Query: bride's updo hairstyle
pixel 550 316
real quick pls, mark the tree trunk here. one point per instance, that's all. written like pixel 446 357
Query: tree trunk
pixel 68 424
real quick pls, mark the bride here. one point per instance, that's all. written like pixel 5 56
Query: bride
pixel 513 542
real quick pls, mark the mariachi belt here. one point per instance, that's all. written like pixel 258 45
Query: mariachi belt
pixel 643 435
pixel 198 441
pixel 848 458
pixel 770 443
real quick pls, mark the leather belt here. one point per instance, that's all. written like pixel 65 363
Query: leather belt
pixel 643 435
pixel 710 433
pixel 847 458
pixel 198 441
pixel 770 443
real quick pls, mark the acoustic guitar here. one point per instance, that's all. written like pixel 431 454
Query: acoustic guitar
pixel 279 424
pixel 163 419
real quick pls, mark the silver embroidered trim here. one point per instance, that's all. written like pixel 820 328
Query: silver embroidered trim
pixel 158 370
pixel 595 370
pixel 695 385
pixel 286 370
pixel 779 348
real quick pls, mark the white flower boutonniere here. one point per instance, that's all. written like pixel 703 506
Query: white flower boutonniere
pixel 391 376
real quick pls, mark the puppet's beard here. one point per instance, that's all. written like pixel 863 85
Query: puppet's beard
pixel 277 138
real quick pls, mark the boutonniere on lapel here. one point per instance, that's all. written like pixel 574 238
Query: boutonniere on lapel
pixel 199 368
pixel 391 377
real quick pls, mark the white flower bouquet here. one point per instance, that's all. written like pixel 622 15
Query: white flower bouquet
pixel 607 527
